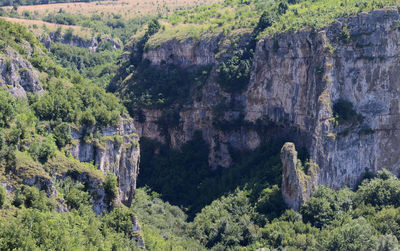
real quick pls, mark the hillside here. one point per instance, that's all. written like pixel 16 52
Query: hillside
pixel 200 125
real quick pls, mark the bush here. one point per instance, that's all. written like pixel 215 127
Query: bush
pixel 68 35
pixel 344 112
pixel 234 74
pixel 43 150
pixel 226 222
pixel 31 197
pixel 353 236
pixel 82 104
pixel 3 196
pixel 62 134
pixel 74 194
pixel 384 190
pixel 7 109
pixel 120 219
pixel 326 205
pixel 110 187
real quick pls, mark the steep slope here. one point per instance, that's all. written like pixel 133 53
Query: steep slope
pixel 25 69
pixel 331 90
pixel 116 151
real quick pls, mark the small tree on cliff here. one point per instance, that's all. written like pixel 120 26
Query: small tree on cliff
pixel 110 188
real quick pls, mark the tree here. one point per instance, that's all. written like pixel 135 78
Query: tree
pixel 110 187
pixel 380 191
pixel 326 205
pixel 68 35
pixel 354 236
pixel 7 109
pixel 3 196
pixel 62 134
pixel 43 150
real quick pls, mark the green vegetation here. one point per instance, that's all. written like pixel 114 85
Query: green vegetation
pixel 36 224
pixel 113 26
pixel 231 15
pixel 365 219
pixel 164 225
pixel 82 104
pixel 185 179
pixel 13 35
pixel 344 112
pixel 234 74
pixel 35 137
pixel 99 67
pixel 150 86
pixel 110 187
pixel 3 196
pixel 223 209
pixel 43 150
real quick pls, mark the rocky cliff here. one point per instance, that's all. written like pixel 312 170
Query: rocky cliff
pixel 17 74
pixel 117 151
pixel 296 80
pixel 354 61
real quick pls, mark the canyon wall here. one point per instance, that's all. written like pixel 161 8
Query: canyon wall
pixel 296 79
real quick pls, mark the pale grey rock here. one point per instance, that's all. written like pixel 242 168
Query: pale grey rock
pixel 294 86
pixel 119 158
pixel 18 75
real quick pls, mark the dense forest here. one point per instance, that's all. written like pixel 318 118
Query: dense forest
pixel 47 198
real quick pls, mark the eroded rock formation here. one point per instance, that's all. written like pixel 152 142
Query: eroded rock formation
pixel 296 79
pixel 17 74
pixel 297 186
pixel 117 151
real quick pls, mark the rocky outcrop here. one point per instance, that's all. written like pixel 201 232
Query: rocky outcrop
pixel 297 186
pixel 137 233
pixel 117 151
pixel 296 79
pixel 17 74
pixel 184 53
pixel 92 44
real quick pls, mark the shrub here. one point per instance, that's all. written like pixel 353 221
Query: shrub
pixel 110 187
pixel 7 109
pixel 344 112
pixel 353 236
pixel 325 206
pixel 120 219
pixel 62 134
pixel 74 194
pixel 3 196
pixel 43 150
pixel 380 191
pixel 68 35
pixel 234 74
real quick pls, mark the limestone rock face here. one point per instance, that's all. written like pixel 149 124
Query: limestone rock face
pixel 186 53
pixel 296 79
pixel 117 152
pixel 301 80
pixel 297 187
pixel 17 74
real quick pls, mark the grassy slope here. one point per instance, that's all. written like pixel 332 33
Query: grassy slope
pixel 127 9
pixel 231 15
